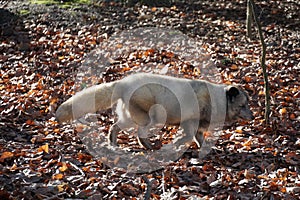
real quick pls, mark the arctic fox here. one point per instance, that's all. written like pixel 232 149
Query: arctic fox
pixel 144 100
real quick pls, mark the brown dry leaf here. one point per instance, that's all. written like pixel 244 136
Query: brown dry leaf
pixel 247 143
pixel 153 9
pixel 44 148
pixel 5 155
pixel 61 188
pixel 234 67
pixel 13 168
pixel 117 159
pixel 292 116
pixel 30 122
pixel 64 167
pixel 248 79
pixel 80 128
pixel 58 176
pixel 283 111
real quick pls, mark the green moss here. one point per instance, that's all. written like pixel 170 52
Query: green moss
pixel 63 4
pixel 24 12
pixel 48 2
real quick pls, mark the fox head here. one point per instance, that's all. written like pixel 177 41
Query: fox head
pixel 237 104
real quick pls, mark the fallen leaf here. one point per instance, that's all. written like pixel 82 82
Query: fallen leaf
pixel 44 148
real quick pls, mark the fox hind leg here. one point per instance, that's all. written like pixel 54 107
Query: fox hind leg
pixel 124 122
pixel 128 118
pixel 142 119
pixel 134 116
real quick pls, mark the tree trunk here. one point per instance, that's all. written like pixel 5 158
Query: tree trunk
pixel 249 19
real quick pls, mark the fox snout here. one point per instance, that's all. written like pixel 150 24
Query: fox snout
pixel 246 114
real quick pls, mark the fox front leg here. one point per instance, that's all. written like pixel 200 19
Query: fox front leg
pixel 190 128
pixel 112 135
pixel 124 122
pixel 121 124
pixel 198 138
pixel 145 142
pixel 143 138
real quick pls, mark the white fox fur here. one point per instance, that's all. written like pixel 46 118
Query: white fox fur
pixel 147 99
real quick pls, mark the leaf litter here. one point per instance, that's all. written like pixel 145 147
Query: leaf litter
pixel 41 50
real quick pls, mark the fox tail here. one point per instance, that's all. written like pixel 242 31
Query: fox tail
pixel 98 97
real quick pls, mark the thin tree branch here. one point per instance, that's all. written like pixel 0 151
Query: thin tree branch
pixel 263 63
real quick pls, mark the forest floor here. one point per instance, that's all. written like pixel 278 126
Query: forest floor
pixel 43 48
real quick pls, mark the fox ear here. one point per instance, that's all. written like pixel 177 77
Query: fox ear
pixel 232 92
